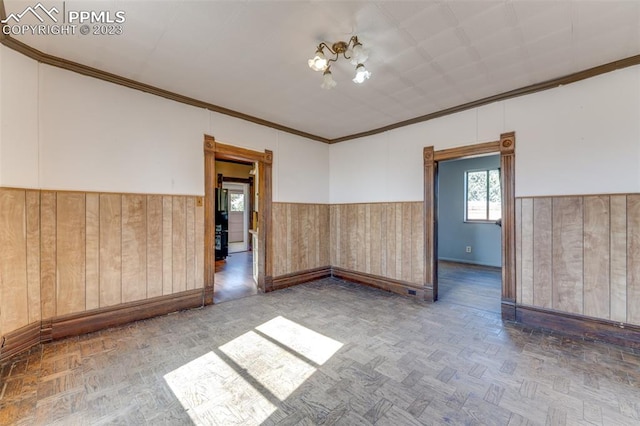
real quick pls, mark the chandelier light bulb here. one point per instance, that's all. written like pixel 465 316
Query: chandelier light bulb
pixel 361 74
pixel 327 80
pixel 319 62
pixel 359 54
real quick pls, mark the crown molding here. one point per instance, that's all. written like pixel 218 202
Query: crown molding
pixel 55 61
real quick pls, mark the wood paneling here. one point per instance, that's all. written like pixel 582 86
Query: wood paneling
pixel 618 257
pixel 199 246
pixel 92 247
pixel 417 244
pixel 33 254
pixel 299 230
pixel 154 246
pixel 542 252
pixel 134 248
pixel 568 254
pixel 167 245
pixel 70 250
pixel 191 244
pixel 65 253
pixel 324 227
pixel 179 233
pixel 526 248
pixel 392 234
pixel 48 254
pixel 519 250
pixel 596 256
pixel 14 302
pixel 279 237
pixel 582 252
pixel 633 259
pixel 375 238
pixel 110 249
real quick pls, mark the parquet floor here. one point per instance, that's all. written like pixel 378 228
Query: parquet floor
pixel 326 352
pixel 234 277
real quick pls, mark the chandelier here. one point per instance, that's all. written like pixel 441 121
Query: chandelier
pixel 351 50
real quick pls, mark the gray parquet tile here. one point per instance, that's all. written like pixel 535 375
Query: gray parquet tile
pixel 395 361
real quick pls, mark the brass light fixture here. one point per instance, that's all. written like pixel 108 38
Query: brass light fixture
pixel 351 50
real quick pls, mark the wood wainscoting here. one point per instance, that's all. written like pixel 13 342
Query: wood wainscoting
pixel 300 238
pixel 71 253
pixel 384 241
pixel 580 255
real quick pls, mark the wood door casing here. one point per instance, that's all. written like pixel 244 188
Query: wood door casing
pixel 217 151
pixel 506 148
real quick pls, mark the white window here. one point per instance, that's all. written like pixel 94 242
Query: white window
pixel 483 197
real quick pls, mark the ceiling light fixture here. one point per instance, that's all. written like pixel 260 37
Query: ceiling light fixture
pixel 351 50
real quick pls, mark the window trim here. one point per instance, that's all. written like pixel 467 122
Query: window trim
pixel 466 208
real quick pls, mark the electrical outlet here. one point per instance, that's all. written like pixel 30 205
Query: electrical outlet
pixel 468 249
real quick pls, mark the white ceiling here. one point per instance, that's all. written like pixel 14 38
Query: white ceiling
pixel 425 56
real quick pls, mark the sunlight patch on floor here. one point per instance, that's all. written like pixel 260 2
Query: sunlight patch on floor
pixel 212 388
pixel 311 345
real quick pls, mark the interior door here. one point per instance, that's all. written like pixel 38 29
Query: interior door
pixel 238 216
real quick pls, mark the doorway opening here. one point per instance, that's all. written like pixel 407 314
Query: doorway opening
pixel 237 221
pixel 468 233
pixel 505 147
pixel 235 276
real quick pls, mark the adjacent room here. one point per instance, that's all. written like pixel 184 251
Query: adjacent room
pixel 468 233
pixel 319 212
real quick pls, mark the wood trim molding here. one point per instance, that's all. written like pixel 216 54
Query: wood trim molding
pixel 583 327
pixel 506 148
pixel 508 228
pixel 54 61
pixel 395 286
pixel 430 225
pixel 265 242
pixel 232 179
pixel 209 218
pixel 19 340
pixel 213 151
pixel 468 150
pixel 295 278
pixel 99 319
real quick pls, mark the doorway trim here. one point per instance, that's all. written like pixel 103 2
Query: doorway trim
pixel 217 151
pixel 506 148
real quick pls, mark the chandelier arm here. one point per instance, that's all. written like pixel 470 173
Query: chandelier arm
pixel 324 44
pixel 332 60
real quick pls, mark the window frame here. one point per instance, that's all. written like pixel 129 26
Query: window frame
pixel 466 197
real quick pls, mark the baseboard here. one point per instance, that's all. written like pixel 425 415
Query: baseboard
pixel 575 325
pixel 19 340
pixel 295 278
pixel 98 319
pixel 395 286
pixel 508 309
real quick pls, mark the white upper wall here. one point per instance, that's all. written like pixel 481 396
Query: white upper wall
pixel 583 138
pixel 98 136
pixel 19 120
pixel 61 130
pixel 66 131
